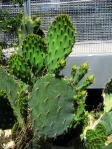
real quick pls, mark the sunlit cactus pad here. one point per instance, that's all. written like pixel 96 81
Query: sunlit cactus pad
pixel 19 67
pixel 34 51
pixel 52 109
pixel 61 38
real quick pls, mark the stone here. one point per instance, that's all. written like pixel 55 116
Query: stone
pixel 9 145
pixel 1 134
pixel 8 52
pixel 6 141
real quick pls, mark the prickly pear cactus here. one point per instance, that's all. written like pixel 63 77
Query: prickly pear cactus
pixel 54 103
pixel 52 109
pixel 50 57
pixel 61 38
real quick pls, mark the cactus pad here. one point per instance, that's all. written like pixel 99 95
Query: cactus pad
pixel 34 51
pixel 96 138
pixel 52 109
pixel 10 87
pixel 19 67
pixel 61 38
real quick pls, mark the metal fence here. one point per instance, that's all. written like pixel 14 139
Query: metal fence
pixel 9 38
pixel 92 18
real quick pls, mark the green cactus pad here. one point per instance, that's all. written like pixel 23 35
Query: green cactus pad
pixel 52 109
pixel 61 38
pixel 10 87
pixel 19 67
pixel 90 134
pixel 96 138
pixel 34 51
pixel 100 130
pixel 96 143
